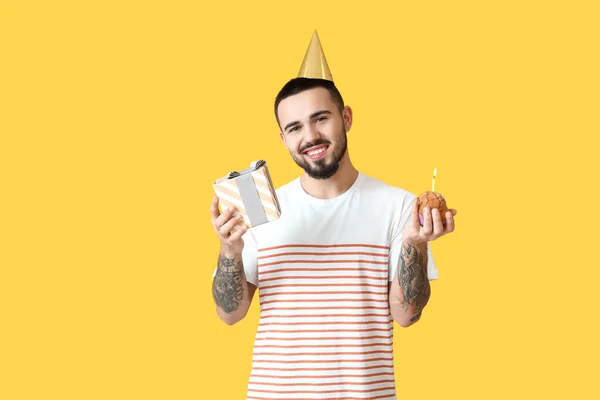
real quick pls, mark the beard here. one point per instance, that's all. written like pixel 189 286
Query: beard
pixel 321 169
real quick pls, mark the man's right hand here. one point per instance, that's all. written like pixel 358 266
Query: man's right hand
pixel 231 241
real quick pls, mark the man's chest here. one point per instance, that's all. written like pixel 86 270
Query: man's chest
pixel 321 227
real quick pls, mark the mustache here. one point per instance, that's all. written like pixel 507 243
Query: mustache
pixel 317 143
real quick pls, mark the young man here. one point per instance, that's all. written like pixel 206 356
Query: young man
pixel 346 258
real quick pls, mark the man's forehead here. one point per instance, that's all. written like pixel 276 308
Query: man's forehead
pixel 304 104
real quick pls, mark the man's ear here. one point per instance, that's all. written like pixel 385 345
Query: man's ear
pixel 347 115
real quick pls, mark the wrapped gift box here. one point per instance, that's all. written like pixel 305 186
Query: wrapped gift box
pixel 251 193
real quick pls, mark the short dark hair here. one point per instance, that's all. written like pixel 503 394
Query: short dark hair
pixel 298 85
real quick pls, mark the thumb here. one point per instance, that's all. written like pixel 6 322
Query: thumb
pixel 414 214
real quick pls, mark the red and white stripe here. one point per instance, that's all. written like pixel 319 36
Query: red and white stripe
pixel 325 329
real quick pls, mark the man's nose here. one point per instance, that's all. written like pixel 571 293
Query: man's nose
pixel 311 133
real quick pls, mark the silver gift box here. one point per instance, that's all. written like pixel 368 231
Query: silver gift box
pixel 251 193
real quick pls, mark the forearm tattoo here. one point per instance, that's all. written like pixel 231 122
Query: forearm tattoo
pixel 413 279
pixel 228 289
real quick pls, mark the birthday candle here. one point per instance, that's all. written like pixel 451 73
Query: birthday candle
pixel 433 181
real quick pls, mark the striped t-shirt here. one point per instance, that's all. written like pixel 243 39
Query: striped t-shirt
pixel 322 271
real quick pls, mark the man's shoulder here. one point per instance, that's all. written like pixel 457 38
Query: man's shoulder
pixel 287 188
pixel 382 187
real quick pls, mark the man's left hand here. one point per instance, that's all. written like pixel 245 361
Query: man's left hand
pixel 432 227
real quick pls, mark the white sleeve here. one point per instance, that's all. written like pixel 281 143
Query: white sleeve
pixel 399 224
pixel 249 258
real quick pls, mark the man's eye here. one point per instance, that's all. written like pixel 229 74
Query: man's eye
pixel 321 119
pixel 293 129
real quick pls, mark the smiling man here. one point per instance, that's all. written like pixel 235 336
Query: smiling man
pixel 346 259
pixel 309 139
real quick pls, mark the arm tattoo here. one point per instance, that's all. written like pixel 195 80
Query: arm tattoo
pixel 413 279
pixel 228 289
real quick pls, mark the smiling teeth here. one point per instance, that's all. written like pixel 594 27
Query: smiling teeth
pixel 315 152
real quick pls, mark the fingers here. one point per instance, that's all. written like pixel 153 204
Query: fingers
pixel 450 221
pixel 224 217
pixel 214 209
pixel 238 234
pixel 224 222
pixel 228 226
pixel 438 225
pixel 414 215
pixel 427 222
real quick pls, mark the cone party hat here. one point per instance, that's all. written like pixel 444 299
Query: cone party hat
pixel 315 64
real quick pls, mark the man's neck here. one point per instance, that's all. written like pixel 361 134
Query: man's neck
pixel 332 187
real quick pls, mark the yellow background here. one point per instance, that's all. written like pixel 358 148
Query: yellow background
pixel 116 116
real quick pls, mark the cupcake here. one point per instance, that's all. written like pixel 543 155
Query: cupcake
pixel 432 200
